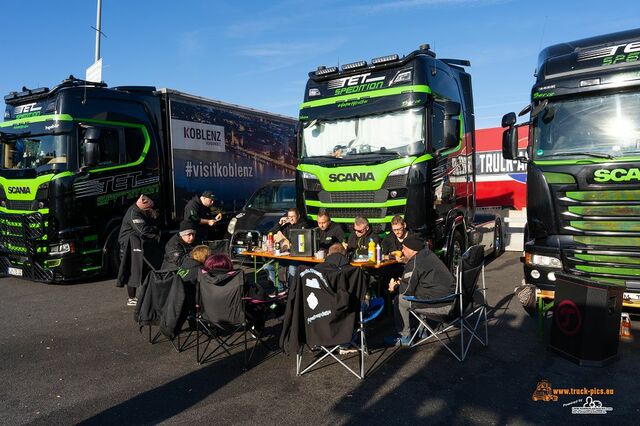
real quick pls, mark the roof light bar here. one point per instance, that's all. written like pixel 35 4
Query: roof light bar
pixel 322 70
pixel 385 59
pixel 354 65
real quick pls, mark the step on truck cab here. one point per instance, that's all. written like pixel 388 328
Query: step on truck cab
pixel 583 161
pixel 391 136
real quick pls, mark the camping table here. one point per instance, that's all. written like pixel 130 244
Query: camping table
pixel 306 259
pixel 544 302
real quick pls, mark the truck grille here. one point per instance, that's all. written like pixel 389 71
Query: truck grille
pixel 605 226
pixel 349 197
pixel 18 233
pixel 21 205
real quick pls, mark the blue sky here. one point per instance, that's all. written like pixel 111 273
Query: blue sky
pixel 258 53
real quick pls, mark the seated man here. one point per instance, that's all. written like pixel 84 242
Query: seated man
pixel 425 277
pixel 328 232
pixel 393 241
pixel 179 246
pixel 358 243
pixel 281 233
pixel 282 230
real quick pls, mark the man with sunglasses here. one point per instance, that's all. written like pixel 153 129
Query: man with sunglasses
pixel 358 243
pixel 392 243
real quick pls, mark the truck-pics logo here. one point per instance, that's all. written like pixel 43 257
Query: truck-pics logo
pixel 617 175
pixel 19 190
pixel 351 177
pixel 629 52
pixel 355 84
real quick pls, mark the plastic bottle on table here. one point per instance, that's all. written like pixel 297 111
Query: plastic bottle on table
pixel 249 241
pixel 372 250
pixel 378 253
pixel 277 248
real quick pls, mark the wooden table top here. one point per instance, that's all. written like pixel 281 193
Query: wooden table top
pixel 312 259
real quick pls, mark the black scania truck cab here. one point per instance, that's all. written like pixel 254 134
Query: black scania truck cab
pixel 75 157
pixel 583 157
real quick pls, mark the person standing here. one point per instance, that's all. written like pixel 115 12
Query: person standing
pixel 198 212
pixel 136 229
pixel 328 232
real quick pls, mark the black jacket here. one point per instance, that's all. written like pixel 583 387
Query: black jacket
pixel 359 246
pixel 333 234
pixel 161 302
pixel 193 212
pixel 287 227
pixel 175 252
pixel 136 231
pixel 322 307
pixel 391 243
pixel 426 277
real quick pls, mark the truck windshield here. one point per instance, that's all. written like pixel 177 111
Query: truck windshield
pixel 400 132
pixel 273 197
pixel 40 152
pixel 598 126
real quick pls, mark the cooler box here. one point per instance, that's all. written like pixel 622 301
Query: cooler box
pixel 586 320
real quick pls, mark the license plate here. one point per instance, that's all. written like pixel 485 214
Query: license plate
pixel 14 271
pixel 633 296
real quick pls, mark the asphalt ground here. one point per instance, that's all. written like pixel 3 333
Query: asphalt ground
pixel 73 354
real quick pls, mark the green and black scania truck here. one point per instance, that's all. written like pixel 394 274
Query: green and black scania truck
pixel 583 157
pixel 392 136
pixel 76 156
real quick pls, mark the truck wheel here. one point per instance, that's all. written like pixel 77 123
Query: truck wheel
pixel 457 248
pixel 498 239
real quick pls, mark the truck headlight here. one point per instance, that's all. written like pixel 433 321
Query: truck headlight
pixel 398 172
pixel 539 260
pixel 62 248
pixel 232 225
pixel 307 175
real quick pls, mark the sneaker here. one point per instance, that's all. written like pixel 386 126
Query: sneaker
pixel 132 301
pixel 397 340
pixel 346 350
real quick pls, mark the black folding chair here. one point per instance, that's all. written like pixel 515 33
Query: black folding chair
pixel 464 310
pixel 153 308
pixel 221 317
pixel 333 317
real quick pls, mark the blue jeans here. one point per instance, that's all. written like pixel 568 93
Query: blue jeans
pixel 291 273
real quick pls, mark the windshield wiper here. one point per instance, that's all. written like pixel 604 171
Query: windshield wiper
pixel 393 153
pixel 588 154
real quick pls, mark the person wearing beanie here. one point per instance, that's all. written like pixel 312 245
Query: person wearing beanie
pixel 198 212
pixel 137 230
pixel 425 276
pixel 179 246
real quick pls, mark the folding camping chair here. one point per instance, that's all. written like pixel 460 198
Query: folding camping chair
pixel 466 311
pixel 158 287
pixel 221 316
pixel 331 315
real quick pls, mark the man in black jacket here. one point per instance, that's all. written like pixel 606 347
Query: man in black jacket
pixel 281 232
pixel 328 232
pixel 425 277
pixel 358 243
pixel 393 241
pixel 179 246
pixel 198 212
pixel 136 229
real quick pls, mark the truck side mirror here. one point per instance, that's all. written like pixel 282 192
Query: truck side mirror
pixel 451 125
pixel 91 147
pixel 509 120
pixel 510 143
